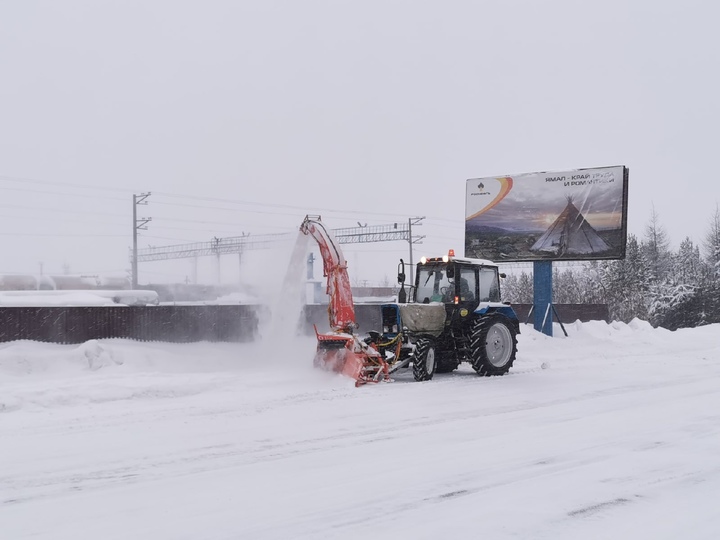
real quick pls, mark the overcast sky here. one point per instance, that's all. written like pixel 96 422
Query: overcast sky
pixel 244 116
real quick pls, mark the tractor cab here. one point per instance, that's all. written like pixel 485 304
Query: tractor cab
pixel 456 281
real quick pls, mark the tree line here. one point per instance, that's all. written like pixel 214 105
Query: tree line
pixel 672 289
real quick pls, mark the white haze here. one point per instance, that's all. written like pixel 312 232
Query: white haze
pixel 287 296
pixel 368 112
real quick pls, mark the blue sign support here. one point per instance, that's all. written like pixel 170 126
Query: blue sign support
pixel 542 296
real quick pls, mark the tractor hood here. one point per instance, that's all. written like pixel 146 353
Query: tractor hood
pixel 423 318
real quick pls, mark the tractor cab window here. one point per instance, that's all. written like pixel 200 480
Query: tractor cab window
pixel 433 285
pixel 467 285
pixel 489 285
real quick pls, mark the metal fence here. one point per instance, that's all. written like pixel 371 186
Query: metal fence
pixel 179 324
pixel 184 324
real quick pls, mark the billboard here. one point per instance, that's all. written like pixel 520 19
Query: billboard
pixel 553 216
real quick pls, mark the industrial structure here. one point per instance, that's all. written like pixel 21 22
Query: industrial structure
pixel 237 245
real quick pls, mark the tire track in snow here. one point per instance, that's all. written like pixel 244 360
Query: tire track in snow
pixel 213 458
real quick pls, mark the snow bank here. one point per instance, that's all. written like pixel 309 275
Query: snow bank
pixel 36 374
pixel 31 372
pixel 78 298
pixel 232 299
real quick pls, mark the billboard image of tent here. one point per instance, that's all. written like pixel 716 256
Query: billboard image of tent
pixel 570 215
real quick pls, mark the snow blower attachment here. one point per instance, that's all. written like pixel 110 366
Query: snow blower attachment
pixel 453 313
pixel 341 350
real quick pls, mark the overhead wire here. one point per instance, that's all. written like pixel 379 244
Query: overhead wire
pixel 270 205
pixel 254 204
pixel 59 183
pixel 85 195
pixel 218 204
pixel 89 235
pixel 195 197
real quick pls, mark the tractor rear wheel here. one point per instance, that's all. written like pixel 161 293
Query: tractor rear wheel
pixel 493 345
pixel 424 361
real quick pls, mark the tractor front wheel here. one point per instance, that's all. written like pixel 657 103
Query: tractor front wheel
pixel 493 345
pixel 424 361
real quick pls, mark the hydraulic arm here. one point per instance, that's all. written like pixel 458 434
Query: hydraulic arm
pixel 342 350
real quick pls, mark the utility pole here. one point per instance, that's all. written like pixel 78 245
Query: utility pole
pixel 216 246
pixel 413 240
pixel 138 225
pixel 243 236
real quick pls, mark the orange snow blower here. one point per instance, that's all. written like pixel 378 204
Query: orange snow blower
pixel 341 350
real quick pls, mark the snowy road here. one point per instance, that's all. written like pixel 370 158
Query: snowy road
pixel 612 433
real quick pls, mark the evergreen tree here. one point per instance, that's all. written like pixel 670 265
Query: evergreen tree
pixel 679 304
pixel 593 284
pixel 656 248
pixel 626 283
pixel 564 286
pixel 688 267
pixel 712 243
pixel 710 290
pixel 518 289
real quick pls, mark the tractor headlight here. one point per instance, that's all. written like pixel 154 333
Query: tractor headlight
pixel 446 258
pixel 423 260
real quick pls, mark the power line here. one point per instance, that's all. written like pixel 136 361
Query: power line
pixel 269 205
pixel 57 183
pixel 111 214
pixel 84 195
pixel 165 238
pixel 301 209
pixel 64 235
pixel 60 210
pixel 172 195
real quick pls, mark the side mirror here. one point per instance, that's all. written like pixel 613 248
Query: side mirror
pixel 503 275
pixel 450 271
pixel 402 295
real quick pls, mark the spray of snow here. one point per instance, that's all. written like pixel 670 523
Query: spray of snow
pixel 286 309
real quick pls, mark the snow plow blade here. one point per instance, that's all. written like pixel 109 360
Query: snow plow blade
pixel 346 354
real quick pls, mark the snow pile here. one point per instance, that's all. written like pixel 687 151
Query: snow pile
pixel 78 298
pixel 97 355
pixel 232 299
pixel 45 375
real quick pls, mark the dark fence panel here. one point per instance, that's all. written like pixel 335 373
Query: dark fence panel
pixel 569 313
pixel 179 324
pixel 184 324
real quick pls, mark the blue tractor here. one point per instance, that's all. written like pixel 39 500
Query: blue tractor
pixel 451 314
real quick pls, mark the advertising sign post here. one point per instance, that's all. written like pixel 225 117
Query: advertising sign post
pixel 542 297
pixel 573 215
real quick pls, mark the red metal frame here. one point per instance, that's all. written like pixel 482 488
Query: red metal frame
pixel 354 358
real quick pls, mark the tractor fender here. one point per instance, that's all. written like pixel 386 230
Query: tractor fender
pixel 485 308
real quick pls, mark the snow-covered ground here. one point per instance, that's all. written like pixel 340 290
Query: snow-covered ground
pixel 611 433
